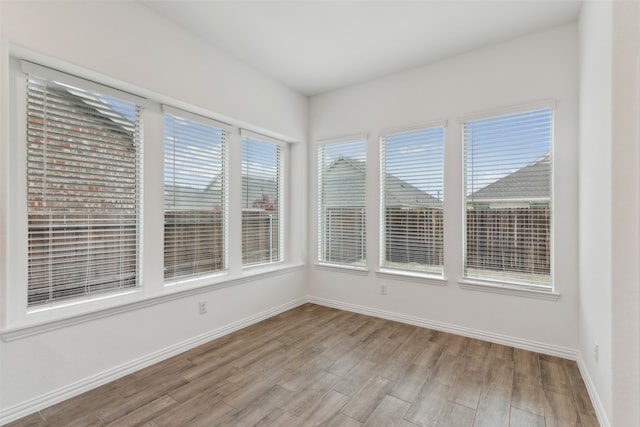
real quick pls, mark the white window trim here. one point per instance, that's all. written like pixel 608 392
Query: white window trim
pixel 443 123
pixel 87 84
pixel 505 287
pixel 414 276
pixel 17 311
pixel 321 143
pixel 343 268
pixel 187 114
pixel 285 176
pixel 228 129
pixel 519 108
pixel 385 270
pixel 339 139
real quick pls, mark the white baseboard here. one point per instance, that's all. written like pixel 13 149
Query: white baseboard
pixel 29 407
pixel 593 393
pixel 538 347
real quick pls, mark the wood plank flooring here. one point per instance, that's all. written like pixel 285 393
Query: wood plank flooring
pixel 315 365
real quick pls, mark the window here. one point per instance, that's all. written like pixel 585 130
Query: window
pixel 83 191
pixel 195 190
pixel 261 201
pixel 412 194
pixel 89 229
pixel 508 170
pixel 341 202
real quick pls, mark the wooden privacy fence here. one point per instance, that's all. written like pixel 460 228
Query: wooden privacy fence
pixel 193 242
pixel 344 235
pixel 199 236
pixel 73 255
pixel 260 236
pixel 509 239
pixel 505 239
pixel 79 254
pixel 414 236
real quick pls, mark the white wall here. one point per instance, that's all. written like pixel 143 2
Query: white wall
pixel 625 202
pixel 595 195
pixel 135 49
pixel 524 70
pixel 609 207
pixel 134 45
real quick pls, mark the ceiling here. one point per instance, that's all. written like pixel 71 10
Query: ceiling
pixel 317 46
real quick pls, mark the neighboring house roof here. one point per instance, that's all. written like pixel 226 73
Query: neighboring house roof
pixel 184 197
pixel 342 171
pixel 532 182
pixel 344 183
pixel 253 190
pixel 400 193
pixel 345 173
pixel 103 111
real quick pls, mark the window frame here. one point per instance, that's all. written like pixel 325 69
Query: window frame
pixel 320 224
pixel 283 202
pixel 18 311
pixel 227 130
pixel 16 319
pixel 495 285
pixel 84 192
pixel 405 272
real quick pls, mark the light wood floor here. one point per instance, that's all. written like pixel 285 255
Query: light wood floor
pixel 315 365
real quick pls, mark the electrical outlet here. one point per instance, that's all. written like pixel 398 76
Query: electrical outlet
pixel 383 289
pixel 202 307
pixel 595 351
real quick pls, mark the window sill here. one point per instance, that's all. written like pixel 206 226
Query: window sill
pixel 264 266
pixel 360 271
pixel 412 276
pixel 507 289
pixel 12 334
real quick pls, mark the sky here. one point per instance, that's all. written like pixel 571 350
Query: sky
pixel 495 147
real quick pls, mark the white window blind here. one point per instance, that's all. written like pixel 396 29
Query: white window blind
pixel 83 192
pixel 195 189
pixel 341 202
pixel 508 197
pixel 261 201
pixel 412 194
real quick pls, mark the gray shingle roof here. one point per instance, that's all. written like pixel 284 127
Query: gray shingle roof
pixel 210 197
pixel 344 183
pixel 530 182
pixel 400 194
pixel 345 170
pixel 342 171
